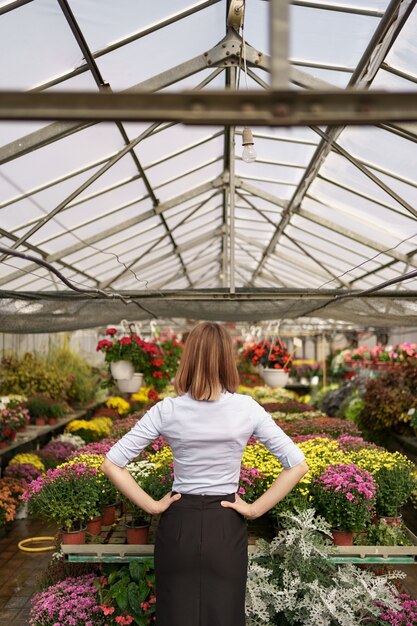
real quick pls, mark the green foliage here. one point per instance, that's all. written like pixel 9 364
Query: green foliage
pixel 130 589
pixel 30 375
pixel 59 569
pixel 352 407
pixel 82 377
pixel 383 534
pixel 332 401
pixel 389 398
pixel 395 486
pixel 291 581
pixel 41 406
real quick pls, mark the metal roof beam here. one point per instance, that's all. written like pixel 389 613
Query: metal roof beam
pixel 13 5
pixel 385 34
pixel 325 6
pixel 362 168
pixel 256 108
pixel 137 259
pixel 192 193
pixel 346 232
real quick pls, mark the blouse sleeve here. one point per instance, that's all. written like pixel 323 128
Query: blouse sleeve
pixel 146 430
pixel 274 438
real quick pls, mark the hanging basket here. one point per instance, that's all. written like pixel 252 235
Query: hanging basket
pixel 121 370
pixel 130 385
pixel 274 377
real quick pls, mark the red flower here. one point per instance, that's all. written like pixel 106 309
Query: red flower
pixel 158 362
pixel 153 395
pixel 124 341
pixel 152 600
pixel 103 345
pixel 157 374
pixel 111 331
pixel 107 610
pixel 124 620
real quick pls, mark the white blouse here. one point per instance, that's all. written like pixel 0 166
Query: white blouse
pixel 208 439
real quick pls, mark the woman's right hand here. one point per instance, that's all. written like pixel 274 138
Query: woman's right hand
pixel 240 506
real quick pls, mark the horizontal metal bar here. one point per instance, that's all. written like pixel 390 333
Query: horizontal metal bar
pixel 279 108
pixel 371 559
pixel 211 295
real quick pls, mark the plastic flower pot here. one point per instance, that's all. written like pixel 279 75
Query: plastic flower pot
pixel 137 534
pixel 73 537
pixel 130 385
pixel 275 377
pixel 121 370
pixel 109 514
pixel 342 537
pixel 94 525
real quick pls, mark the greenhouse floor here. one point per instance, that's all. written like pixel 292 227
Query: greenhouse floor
pixel 19 572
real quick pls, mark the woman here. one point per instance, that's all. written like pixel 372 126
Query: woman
pixel 201 547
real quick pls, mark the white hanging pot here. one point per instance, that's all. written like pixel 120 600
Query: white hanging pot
pixel 130 385
pixel 274 377
pixel 121 369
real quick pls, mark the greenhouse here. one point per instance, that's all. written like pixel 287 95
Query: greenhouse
pixel 224 177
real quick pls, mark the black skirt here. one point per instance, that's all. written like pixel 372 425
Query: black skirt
pixel 201 559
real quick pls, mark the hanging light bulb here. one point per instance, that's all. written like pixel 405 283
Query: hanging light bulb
pixel 249 152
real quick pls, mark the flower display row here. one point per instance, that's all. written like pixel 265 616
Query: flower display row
pixel 302 586
pixel 364 356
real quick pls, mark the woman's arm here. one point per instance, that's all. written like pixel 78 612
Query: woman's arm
pixel 127 485
pixel 281 486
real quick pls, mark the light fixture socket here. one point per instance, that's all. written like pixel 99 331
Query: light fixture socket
pixel 247 137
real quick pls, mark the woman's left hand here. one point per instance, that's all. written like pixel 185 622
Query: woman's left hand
pixel 165 502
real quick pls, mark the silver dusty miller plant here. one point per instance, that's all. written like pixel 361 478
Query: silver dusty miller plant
pixel 292 582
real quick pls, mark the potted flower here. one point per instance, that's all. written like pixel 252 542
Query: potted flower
pixel 92 455
pixel 15 415
pixel 42 410
pixel 129 357
pixel 273 360
pixel 395 485
pixel 68 496
pixel 345 496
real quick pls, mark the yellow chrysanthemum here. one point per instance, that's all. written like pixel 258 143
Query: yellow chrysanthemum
pixel 27 457
pixel 100 425
pixel 121 405
pixel 142 395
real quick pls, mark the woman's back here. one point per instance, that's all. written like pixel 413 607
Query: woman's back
pixel 207 439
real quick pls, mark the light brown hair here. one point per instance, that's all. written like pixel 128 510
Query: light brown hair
pixel 208 364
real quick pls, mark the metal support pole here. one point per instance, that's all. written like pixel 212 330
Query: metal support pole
pixel 232 194
pixel 279 44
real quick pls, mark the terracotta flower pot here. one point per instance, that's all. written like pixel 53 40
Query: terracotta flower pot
pixel 109 514
pixel 342 537
pixel 3 444
pixel 40 421
pixel 137 534
pixel 52 420
pixel 94 525
pixel 73 537
pixel 391 521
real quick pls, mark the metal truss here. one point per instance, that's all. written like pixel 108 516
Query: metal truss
pixel 238 255
pixel 388 29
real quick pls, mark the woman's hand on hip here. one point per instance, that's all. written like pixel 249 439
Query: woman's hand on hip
pixel 165 502
pixel 240 506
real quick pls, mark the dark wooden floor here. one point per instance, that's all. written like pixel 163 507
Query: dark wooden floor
pixel 19 572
